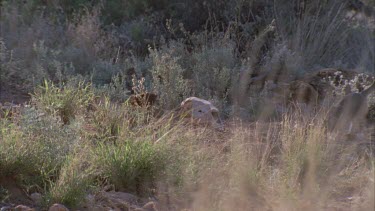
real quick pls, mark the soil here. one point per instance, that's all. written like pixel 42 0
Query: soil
pixel 13 94
pixel 16 194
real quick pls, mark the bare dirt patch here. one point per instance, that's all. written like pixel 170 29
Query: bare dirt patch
pixel 13 94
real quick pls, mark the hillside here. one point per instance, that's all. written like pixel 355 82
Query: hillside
pixel 187 105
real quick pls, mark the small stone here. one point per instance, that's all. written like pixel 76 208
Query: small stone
pixel 58 207
pixel 36 197
pixel 6 208
pixel 150 206
pixel 23 208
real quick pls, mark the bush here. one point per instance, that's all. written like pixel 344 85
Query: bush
pixel 117 90
pixel 5 62
pixel 168 81
pixel 214 69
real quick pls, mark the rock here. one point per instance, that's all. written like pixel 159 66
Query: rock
pixel 150 206
pixel 6 208
pixel 113 200
pixel 201 112
pixel 23 208
pixel 58 207
pixel 121 197
pixel 36 197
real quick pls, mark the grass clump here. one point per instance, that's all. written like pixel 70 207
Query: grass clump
pixel 75 179
pixel 64 102
pixel 13 163
pixel 131 165
pixel 105 122
pixel 33 150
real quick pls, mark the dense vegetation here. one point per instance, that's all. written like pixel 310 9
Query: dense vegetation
pixel 75 63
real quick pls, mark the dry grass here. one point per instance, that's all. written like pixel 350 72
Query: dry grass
pixel 289 165
pixel 78 137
